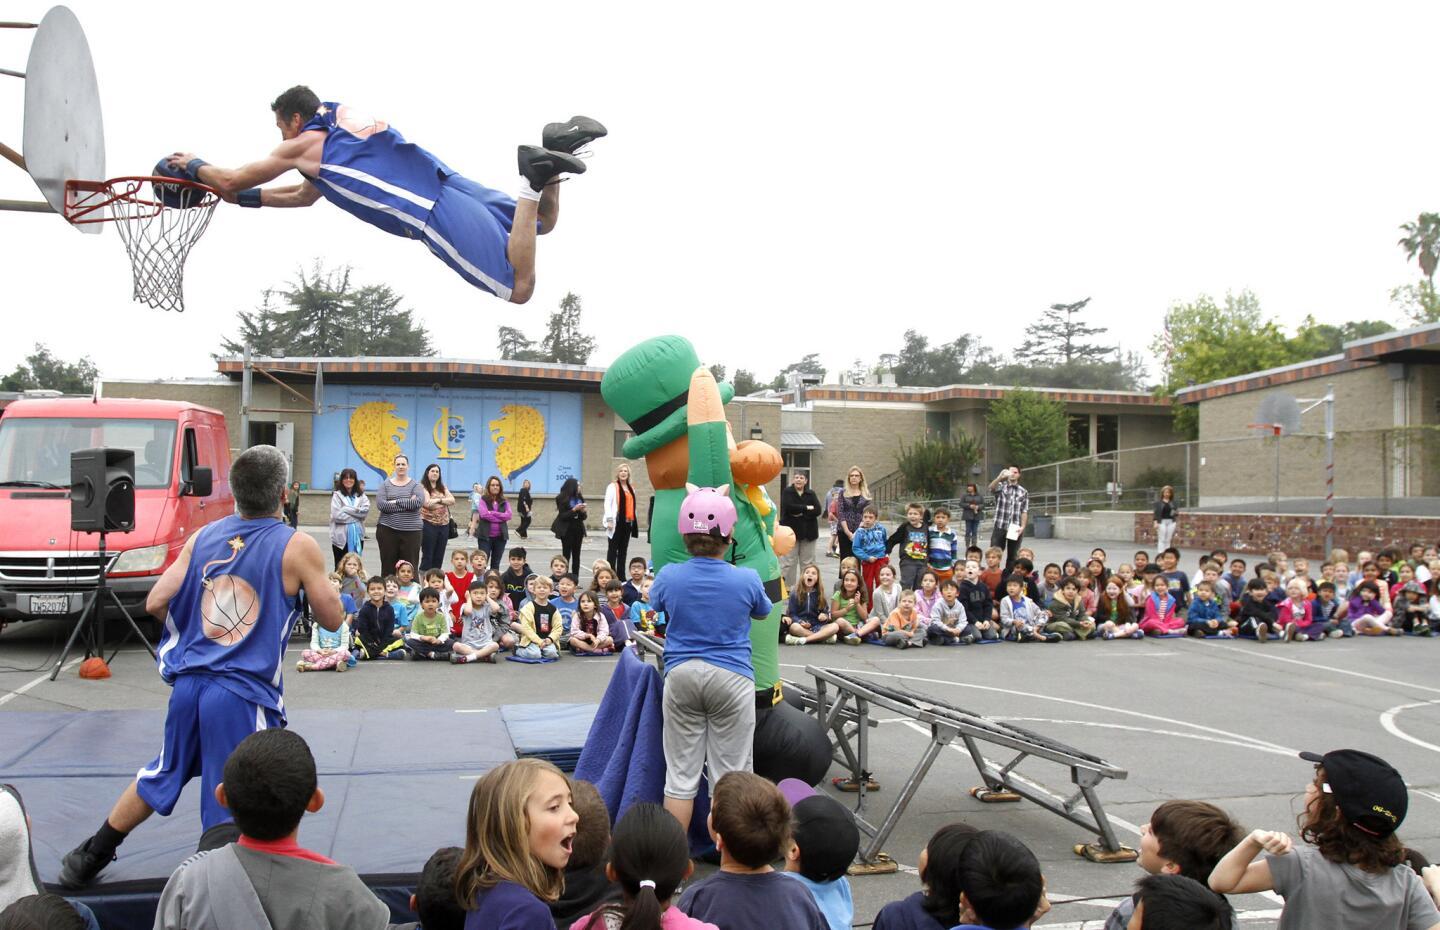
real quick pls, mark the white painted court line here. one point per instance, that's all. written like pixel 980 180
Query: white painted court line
pixel 1387 720
pixel 476 710
pixel 1088 705
pixel 6 698
pixel 1329 668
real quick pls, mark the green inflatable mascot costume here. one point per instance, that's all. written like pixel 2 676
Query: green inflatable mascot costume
pixel 677 412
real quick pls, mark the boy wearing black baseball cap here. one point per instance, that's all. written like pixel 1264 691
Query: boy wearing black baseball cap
pixel 1350 871
pixel 824 840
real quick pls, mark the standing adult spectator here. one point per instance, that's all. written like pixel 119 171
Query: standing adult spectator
pixel 850 507
pixel 348 509
pixel 569 523
pixel 435 519
pixel 398 534
pixel 620 522
pixel 799 510
pixel 832 501
pixel 1165 514
pixel 491 524
pixel 972 510
pixel 1012 513
pixel 525 504
pixel 292 506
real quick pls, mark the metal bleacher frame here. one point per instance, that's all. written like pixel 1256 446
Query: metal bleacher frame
pixel 848 717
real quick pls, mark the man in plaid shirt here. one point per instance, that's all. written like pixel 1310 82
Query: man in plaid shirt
pixel 1012 507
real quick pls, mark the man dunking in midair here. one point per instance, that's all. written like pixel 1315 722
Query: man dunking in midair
pixel 366 168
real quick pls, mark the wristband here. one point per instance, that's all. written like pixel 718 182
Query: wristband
pixel 249 198
pixel 193 166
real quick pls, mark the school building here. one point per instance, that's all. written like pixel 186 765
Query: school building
pixel 547 422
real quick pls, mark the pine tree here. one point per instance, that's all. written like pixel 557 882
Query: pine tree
pixel 563 341
pixel 1057 338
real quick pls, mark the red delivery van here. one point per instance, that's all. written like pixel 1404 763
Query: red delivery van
pixel 46 568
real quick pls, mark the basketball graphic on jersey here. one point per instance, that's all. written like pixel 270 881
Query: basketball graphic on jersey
pixel 230 606
pixel 376 434
pixel 519 434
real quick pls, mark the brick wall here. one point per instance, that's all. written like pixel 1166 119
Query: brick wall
pixel 1293 534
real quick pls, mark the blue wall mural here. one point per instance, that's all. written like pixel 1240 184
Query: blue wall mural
pixel 471 433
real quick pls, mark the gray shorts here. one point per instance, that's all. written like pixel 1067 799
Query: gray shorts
pixel 709 716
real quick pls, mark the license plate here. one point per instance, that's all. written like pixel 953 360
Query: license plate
pixel 46 604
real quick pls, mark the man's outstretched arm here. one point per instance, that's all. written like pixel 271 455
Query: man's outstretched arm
pixel 230 182
pixel 300 195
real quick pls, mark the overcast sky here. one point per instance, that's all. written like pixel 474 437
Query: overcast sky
pixel 780 178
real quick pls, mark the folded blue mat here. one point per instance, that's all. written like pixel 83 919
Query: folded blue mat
pixel 540 661
pixel 553 732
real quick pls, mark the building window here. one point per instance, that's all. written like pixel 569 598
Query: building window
pixel 937 425
pixel 796 460
pixel 621 435
pixel 1107 433
pixel 1080 433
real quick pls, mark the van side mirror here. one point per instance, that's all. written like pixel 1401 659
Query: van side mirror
pixel 201 483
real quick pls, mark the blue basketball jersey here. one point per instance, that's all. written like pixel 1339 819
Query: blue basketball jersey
pixel 231 618
pixel 406 191
pixel 381 178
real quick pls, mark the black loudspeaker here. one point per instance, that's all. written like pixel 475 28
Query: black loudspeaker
pixel 102 490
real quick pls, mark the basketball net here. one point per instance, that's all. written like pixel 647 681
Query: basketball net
pixel 158 238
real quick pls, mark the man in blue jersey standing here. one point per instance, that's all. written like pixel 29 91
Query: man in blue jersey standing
pixel 366 168
pixel 228 603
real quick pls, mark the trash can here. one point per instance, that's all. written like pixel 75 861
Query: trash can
pixel 1044 526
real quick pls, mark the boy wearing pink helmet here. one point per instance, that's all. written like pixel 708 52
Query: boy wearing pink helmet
pixel 709 703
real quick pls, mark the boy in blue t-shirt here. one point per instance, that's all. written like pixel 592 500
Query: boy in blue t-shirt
pixel 944 545
pixel 565 603
pixel 643 616
pixel 823 843
pixel 1179 581
pixel 709 704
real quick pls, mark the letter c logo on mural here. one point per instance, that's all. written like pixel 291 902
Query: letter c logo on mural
pixel 376 434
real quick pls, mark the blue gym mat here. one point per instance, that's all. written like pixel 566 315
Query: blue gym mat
pixel 554 732
pixel 401 775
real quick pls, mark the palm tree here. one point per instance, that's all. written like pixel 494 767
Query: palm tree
pixel 1422 242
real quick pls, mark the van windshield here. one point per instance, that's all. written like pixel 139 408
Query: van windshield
pixel 36 452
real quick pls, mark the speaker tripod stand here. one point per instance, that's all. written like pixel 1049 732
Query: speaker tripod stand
pixel 92 621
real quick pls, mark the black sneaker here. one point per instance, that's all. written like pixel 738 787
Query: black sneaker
pixel 572 136
pixel 81 865
pixel 541 166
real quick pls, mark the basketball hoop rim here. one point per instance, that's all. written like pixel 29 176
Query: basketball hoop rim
pixel 87 201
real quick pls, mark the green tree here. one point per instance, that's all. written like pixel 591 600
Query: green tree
pixel 919 365
pixel 1204 341
pixel 43 371
pixel 810 364
pixel 514 345
pixel 719 372
pixel 1419 302
pixel 1313 340
pixel 933 468
pixel 1058 338
pixel 1422 242
pixel 322 313
pixel 1032 427
pixel 563 341
pixel 746 383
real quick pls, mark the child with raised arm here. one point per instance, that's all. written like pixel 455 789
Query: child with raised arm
pixel 1350 871
pixel 476 642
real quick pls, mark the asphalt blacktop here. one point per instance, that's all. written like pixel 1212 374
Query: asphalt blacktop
pixel 1214 720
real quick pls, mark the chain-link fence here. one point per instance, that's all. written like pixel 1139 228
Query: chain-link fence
pixel 1383 471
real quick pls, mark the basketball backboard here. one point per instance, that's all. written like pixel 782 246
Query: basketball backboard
pixel 64 136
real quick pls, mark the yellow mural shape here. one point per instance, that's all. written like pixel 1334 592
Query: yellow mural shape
pixel 376 434
pixel 519 435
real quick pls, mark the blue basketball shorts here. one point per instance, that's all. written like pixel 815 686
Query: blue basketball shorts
pixel 469 230
pixel 203 725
